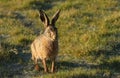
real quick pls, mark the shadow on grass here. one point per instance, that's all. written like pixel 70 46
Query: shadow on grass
pixel 110 59
pixel 65 65
pixel 113 66
pixel 12 60
pixel 83 76
pixel 43 4
pixel 109 55
pixel 12 53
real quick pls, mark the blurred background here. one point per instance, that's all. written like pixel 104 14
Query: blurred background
pixel 89 37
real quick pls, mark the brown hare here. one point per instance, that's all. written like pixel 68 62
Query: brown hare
pixel 45 46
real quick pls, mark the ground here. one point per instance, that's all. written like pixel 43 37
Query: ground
pixel 89 38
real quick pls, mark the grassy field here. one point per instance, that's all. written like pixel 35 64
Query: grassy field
pixel 89 38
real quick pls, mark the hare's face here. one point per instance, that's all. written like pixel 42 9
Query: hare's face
pixel 50 29
pixel 51 32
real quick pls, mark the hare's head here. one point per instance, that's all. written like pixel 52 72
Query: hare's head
pixel 50 29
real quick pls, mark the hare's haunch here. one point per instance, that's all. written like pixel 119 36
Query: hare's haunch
pixel 45 46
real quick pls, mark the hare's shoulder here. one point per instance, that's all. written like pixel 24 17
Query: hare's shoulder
pixel 40 37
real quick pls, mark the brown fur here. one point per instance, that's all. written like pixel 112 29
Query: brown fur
pixel 45 46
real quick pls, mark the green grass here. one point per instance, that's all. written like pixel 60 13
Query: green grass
pixel 89 37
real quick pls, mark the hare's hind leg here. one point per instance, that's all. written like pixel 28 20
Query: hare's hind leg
pixel 36 63
pixel 45 65
pixel 34 58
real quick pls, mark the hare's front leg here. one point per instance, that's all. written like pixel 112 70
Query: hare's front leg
pixel 45 65
pixel 53 66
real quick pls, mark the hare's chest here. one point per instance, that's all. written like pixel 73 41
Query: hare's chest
pixel 55 46
pixel 51 48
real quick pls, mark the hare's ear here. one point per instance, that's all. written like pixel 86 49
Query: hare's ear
pixel 55 17
pixel 44 18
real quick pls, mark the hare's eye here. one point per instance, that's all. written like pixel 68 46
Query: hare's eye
pixel 51 29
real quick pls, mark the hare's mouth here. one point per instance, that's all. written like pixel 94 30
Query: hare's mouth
pixel 54 37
